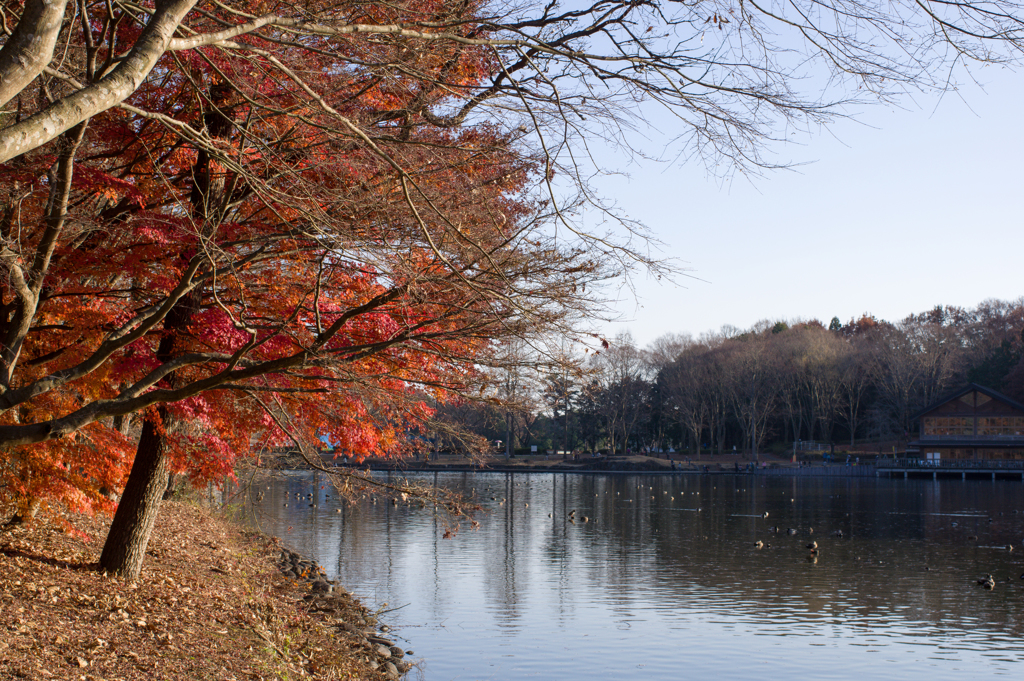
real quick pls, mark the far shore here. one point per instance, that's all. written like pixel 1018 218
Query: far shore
pixel 660 463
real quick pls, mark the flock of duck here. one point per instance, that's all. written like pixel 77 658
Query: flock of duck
pixel 308 497
pixel 988 581
pixel 812 548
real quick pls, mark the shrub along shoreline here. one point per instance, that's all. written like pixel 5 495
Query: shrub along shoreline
pixel 215 601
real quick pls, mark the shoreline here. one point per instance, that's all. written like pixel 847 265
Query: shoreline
pixel 213 602
pixel 618 466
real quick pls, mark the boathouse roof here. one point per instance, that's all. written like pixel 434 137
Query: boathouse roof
pixel 970 387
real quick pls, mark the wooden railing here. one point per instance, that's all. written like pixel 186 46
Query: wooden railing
pixel 951 464
pixel 986 438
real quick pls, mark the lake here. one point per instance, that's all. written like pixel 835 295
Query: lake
pixel 664 579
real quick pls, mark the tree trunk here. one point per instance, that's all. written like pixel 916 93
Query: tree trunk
pixel 565 429
pixel 753 436
pixel 508 435
pixel 129 533
pixel 136 513
pixel 172 486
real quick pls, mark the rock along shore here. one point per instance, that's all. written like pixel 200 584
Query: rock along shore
pixel 328 597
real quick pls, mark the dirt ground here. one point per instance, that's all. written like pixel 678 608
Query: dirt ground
pixel 211 604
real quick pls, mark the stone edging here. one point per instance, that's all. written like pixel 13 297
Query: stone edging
pixel 328 596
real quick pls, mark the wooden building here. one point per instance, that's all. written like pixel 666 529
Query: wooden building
pixel 973 423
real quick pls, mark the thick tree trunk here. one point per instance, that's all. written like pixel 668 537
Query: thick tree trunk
pixel 126 542
pixel 129 533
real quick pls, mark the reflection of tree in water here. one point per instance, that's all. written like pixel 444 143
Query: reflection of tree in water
pixel 646 542
pixel 891 534
pixel 500 578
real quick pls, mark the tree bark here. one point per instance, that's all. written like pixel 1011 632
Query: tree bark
pixel 109 91
pixel 30 47
pixel 125 546
pixel 133 522
pixel 753 435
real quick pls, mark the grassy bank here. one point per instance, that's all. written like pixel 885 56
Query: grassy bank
pixel 211 604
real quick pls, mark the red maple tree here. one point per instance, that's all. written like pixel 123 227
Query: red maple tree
pixel 247 265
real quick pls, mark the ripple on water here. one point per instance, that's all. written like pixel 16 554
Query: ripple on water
pixel 652 588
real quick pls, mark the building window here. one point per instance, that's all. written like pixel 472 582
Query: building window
pixel 948 425
pixel 1001 425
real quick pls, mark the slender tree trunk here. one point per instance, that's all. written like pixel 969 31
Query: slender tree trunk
pixel 753 436
pixel 129 533
pixel 172 480
pixel 565 429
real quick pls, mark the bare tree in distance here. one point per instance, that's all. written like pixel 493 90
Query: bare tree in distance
pixel 856 376
pixel 621 374
pixel 515 384
pixel 685 383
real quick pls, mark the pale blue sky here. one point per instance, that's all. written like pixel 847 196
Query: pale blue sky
pixel 894 214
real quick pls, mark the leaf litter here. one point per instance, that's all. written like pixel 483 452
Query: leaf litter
pixel 210 604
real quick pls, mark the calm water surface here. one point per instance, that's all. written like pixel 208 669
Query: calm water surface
pixel 665 581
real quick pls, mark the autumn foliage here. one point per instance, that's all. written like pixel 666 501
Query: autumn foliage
pixel 342 262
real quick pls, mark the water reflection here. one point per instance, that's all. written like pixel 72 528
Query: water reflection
pixel 664 577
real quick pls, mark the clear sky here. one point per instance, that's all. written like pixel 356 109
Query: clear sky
pixel 892 214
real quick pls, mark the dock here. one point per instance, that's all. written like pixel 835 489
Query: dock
pixel 950 469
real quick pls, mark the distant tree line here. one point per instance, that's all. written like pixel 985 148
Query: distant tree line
pixel 757 389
